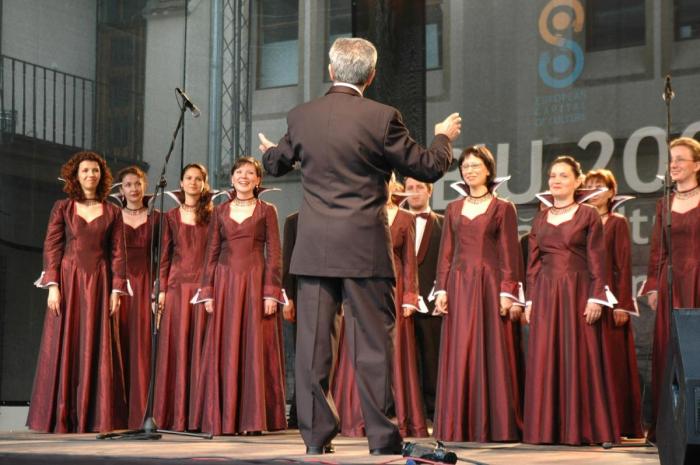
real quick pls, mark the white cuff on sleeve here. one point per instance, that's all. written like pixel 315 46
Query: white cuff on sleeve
pixel 610 302
pixel 129 291
pixel 634 312
pixel 433 293
pixel 38 283
pixel 284 296
pixel 197 300
pixel 422 307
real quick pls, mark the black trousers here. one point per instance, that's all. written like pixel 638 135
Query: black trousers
pixel 427 329
pixel 368 306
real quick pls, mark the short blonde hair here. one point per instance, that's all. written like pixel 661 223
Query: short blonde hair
pixel 694 147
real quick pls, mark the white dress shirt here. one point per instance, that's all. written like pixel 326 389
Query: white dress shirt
pixel 420 226
pixel 352 86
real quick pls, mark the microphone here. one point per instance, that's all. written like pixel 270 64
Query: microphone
pixel 188 103
pixel 430 452
pixel 668 91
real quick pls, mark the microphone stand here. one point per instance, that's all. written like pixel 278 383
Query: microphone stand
pixel 668 95
pixel 149 430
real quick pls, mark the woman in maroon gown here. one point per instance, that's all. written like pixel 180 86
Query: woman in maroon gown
pixel 242 379
pixel 478 289
pixel 408 401
pixel 619 355
pixel 79 386
pixel 566 400
pixel 182 324
pixel 135 314
pixel 685 243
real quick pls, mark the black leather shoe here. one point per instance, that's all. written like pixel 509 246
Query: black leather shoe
pixel 388 450
pixel 316 450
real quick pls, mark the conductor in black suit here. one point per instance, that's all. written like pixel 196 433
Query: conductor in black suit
pixel 348 146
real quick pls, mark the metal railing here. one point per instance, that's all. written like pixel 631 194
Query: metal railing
pixel 46 104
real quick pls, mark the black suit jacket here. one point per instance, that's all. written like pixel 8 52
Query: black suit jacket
pixel 348 146
pixel 428 255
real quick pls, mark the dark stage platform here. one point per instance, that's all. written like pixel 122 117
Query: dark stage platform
pixel 281 448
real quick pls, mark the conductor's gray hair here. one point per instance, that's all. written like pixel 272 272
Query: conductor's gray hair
pixel 352 59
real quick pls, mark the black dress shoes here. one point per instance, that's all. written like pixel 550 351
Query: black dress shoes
pixel 388 450
pixel 316 450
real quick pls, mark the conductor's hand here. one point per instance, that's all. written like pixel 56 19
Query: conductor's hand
pixel 209 306
pixel 54 300
pixel 265 143
pixel 270 307
pixel 450 126
pixel 592 312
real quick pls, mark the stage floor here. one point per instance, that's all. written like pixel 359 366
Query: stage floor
pixel 282 448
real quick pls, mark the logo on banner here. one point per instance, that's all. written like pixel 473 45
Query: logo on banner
pixel 561 66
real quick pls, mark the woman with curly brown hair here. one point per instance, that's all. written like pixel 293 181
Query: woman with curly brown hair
pixel 79 385
pixel 182 325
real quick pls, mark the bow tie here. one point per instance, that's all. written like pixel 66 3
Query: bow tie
pixel 425 216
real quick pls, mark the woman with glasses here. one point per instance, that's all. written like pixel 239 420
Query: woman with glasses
pixel 478 293
pixel 685 246
pixel 566 400
pixel 619 355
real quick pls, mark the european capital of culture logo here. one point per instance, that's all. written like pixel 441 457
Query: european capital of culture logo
pixel 561 66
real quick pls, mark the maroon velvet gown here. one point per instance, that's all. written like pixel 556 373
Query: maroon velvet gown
pixel 480 259
pixel 182 325
pixel 619 355
pixel 566 400
pixel 408 400
pixel 135 317
pixel 242 380
pixel 685 243
pixel 79 385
